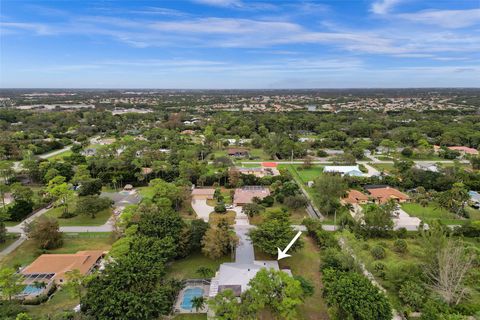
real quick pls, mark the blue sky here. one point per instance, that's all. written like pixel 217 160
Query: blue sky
pixel 239 44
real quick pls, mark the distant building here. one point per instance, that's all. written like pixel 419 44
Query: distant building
pixel 432 167
pixel 353 171
pixel 311 107
pixel 246 194
pixel 237 152
pixel 464 150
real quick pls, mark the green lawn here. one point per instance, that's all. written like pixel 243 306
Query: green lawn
pixel 10 239
pixel 259 153
pixel 431 212
pixel 80 220
pixel 60 156
pixel 387 167
pixel 60 301
pixel 304 175
pixel 296 216
pixel 29 251
pixel 187 268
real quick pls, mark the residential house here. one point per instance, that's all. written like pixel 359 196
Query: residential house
pixel 432 167
pixel 382 194
pixel 355 197
pixel 246 194
pixel 203 193
pixel 464 150
pixel 54 267
pixel 236 276
pixel 353 171
pixel 237 152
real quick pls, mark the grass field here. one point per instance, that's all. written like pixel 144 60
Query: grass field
pixel 60 156
pixel 10 239
pixel 187 268
pixel 29 251
pixel 80 220
pixel 431 212
pixel 304 175
pixel 387 167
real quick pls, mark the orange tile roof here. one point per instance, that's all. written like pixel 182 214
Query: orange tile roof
pixel 464 149
pixel 355 196
pixel 387 193
pixel 59 264
pixel 269 164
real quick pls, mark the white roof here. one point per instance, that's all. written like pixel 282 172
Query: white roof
pixel 341 169
pixel 241 273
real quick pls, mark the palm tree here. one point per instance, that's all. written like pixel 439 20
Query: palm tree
pixel 198 303
pixel 205 272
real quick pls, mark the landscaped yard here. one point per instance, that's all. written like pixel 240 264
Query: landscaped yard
pixel 60 156
pixel 296 216
pixel 80 220
pixel 29 251
pixel 431 212
pixel 61 300
pixel 187 268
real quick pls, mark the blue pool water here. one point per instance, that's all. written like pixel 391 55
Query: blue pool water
pixel 188 295
pixel 32 290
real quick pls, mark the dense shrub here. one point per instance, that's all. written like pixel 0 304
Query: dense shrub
pixel 335 259
pixel 220 208
pixel 380 269
pixel 400 246
pixel 412 294
pixel 378 252
pixel 20 210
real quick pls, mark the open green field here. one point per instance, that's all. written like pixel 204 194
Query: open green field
pixel 80 220
pixel 304 175
pixel 187 268
pixel 386 167
pixel 431 212
pixel 28 251
pixel 60 156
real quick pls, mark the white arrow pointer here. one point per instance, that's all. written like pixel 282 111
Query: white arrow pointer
pixel 283 254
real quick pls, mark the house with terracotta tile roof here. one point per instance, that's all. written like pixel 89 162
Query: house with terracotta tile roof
pixel 464 150
pixel 246 194
pixel 382 194
pixel 355 197
pixel 54 266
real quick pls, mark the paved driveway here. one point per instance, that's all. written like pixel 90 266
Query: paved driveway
pixel 244 252
pixel 202 209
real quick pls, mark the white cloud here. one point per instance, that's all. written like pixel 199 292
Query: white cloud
pixel 383 6
pixel 221 3
pixel 445 18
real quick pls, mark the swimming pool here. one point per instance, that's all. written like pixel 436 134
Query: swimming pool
pixel 188 295
pixel 31 290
